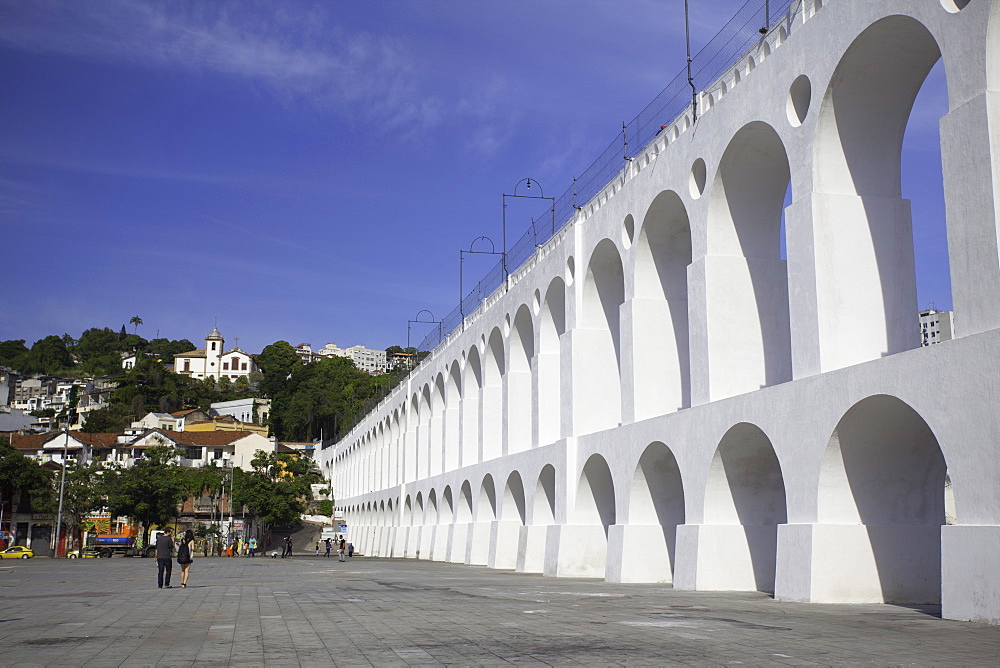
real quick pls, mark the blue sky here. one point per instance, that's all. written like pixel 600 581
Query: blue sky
pixel 308 171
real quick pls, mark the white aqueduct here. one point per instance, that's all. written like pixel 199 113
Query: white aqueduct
pixel 658 396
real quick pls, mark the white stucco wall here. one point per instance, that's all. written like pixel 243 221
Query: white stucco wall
pixel 703 410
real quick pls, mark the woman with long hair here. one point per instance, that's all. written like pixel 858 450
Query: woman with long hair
pixel 185 556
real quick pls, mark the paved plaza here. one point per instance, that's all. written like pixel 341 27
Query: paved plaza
pixel 393 612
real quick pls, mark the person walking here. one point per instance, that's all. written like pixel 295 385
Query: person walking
pixel 185 556
pixel 284 547
pixel 289 547
pixel 341 548
pixel 329 546
pixel 253 546
pixel 350 549
pixel 164 556
pixel 317 548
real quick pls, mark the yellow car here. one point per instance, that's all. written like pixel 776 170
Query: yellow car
pixel 17 552
pixel 85 553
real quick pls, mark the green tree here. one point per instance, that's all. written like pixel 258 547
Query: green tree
pixel 277 491
pixel 112 419
pixel 99 352
pixel 48 355
pixel 11 351
pixel 165 349
pixel 83 493
pixel 23 474
pixel 150 490
pixel 135 320
pixel 276 363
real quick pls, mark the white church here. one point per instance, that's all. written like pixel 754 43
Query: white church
pixel 215 361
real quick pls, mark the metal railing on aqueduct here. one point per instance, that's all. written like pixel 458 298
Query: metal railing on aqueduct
pixel 742 33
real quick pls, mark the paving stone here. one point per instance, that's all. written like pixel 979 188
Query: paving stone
pixel 394 612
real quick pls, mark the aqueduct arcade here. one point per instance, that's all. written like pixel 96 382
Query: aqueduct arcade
pixel 693 382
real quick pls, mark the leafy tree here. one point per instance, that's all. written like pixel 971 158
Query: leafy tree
pixel 165 349
pixel 277 490
pixel 150 490
pixel 43 413
pixel 23 474
pixel 325 507
pixel 112 419
pixel 135 320
pixel 12 350
pixel 82 493
pixel 99 352
pixel 276 362
pixel 48 355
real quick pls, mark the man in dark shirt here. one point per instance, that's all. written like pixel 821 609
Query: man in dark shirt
pixel 164 548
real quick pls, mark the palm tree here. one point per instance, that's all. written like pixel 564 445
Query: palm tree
pixel 136 320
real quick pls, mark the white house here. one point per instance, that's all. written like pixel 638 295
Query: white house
pixel 214 361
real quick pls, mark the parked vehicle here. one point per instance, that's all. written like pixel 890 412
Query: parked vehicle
pixel 126 541
pixel 17 552
pixel 85 553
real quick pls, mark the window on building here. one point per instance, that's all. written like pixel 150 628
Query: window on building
pixel 225 366
pixel 213 345
pixel 244 366
pixel 187 365
pixel 193 452
pixel 236 363
pixel 217 453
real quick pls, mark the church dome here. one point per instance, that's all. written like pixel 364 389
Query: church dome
pixel 214 334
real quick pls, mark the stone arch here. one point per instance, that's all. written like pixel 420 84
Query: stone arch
pixel 747 309
pixel 494 367
pixel 452 422
pixel 486 507
pixel 408 511
pixel 448 505
pixel 865 275
pixel 436 440
pixel 881 503
pixel 657 499
pixel 552 325
pixel 472 384
pixel 595 496
pixel 410 440
pixel 424 440
pixel 744 503
pixel 519 403
pixel 463 512
pixel 544 507
pixel 513 507
pixel 660 308
pixel 599 407
pixel 418 509
pixel 432 509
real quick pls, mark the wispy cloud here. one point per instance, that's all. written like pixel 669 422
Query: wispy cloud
pixel 296 52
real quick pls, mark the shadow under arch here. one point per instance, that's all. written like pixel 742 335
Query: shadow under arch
pixel 472 384
pixel 881 502
pixel 513 507
pixel 599 406
pixel 595 496
pixel 861 225
pixel 520 409
pixel 657 499
pixel 749 339
pixel 544 506
pixel 552 325
pixel 660 312
pixel 744 504
pixel 494 368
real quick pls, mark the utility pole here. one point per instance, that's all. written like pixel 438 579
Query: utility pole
pixel 70 414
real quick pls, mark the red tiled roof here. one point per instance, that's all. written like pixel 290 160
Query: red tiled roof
pixel 204 437
pixel 31 441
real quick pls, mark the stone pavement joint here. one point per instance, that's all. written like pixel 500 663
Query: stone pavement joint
pixel 395 612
